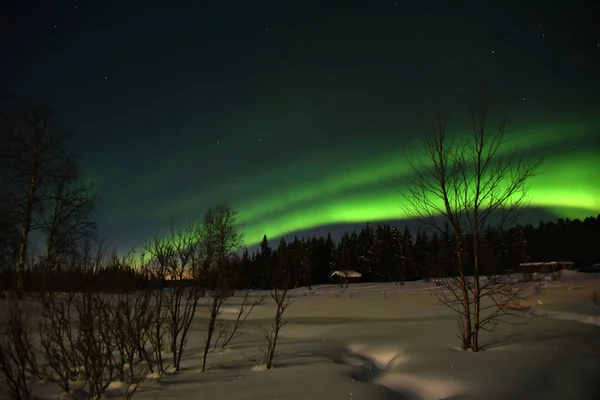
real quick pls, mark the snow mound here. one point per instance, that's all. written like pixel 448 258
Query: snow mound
pixel 383 358
pixel 117 388
pixel 413 387
pixel 230 310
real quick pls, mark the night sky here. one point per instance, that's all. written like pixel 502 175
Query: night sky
pixel 299 113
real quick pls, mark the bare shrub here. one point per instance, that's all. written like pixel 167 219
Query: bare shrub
pixel 58 334
pixel 282 302
pixel 94 343
pixel 18 364
pixel 222 238
pixel 92 337
pixel 184 295
pixel 131 321
pixel 280 295
pixel 161 255
pixel 228 332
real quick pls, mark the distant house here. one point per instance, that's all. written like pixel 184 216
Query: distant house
pixel 545 267
pixel 345 276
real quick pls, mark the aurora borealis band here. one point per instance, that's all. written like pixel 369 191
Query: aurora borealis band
pixel 299 114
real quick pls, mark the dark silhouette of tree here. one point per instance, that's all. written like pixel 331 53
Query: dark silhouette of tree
pixel 474 183
pixel 40 184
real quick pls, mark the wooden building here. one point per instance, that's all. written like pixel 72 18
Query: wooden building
pixel 345 276
pixel 545 267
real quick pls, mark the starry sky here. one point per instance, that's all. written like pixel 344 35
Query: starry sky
pixel 299 113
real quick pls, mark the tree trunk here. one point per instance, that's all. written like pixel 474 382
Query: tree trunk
pixel 211 328
pixel 29 205
pixel 476 286
pixel 467 337
pixel 23 241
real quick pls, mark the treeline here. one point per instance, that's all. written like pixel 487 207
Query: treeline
pixel 565 240
pixel 384 253
pixel 380 253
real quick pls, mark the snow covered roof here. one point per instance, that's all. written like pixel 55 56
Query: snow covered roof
pixel 547 263
pixel 346 274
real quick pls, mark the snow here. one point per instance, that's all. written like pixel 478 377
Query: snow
pixel 390 341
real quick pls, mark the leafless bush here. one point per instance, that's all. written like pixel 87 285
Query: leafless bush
pixel 161 254
pixel 176 262
pixel 131 321
pixel 228 332
pixel 183 298
pixel 95 338
pixel 221 240
pixel 58 334
pixel 18 363
pixel 94 344
pixel 279 294
pixel 282 302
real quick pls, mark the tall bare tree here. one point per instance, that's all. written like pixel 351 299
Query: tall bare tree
pixel 37 177
pixel 9 239
pixel 473 182
pixel 223 238
pixel 67 216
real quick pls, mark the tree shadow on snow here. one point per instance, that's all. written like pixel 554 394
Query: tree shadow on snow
pixel 514 339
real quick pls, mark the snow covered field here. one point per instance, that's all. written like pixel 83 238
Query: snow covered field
pixel 384 341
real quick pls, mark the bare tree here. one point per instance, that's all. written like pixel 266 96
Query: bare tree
pixel 473 183
pixel 18 362
pixel 282 301
pixel 162 257
pixel 228 332
pixel 222 239
pixel 279 294
pixel 9 240
pixel 67 217
pixel 35 164
pixel 185 293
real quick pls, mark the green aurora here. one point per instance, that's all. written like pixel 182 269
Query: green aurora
pixel 322 190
